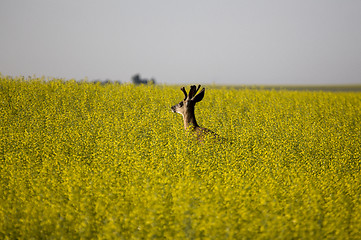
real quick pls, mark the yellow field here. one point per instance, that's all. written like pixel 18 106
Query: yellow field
pixel 86 161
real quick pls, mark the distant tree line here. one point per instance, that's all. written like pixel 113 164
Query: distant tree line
pixel 136 79
pixel 107 81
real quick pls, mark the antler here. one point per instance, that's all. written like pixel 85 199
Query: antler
pixel 197 89
pixel 193 91
pixel 185 93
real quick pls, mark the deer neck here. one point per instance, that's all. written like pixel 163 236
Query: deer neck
pixel 190 120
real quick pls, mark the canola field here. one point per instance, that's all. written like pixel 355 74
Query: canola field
pixel 89 161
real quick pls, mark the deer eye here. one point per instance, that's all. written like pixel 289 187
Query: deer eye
pixel 181 104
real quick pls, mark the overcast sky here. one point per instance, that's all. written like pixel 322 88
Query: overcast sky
pixel 187 41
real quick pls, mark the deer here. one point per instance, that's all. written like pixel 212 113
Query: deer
pixel 186 109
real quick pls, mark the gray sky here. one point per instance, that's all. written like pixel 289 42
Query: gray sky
pixel 188 41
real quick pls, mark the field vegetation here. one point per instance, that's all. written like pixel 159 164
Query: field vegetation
pixel 90 161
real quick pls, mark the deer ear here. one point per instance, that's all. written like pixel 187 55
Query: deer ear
pixel 199 96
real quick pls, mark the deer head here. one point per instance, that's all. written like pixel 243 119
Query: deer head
pixel 186 107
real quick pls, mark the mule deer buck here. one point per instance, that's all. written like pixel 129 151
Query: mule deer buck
pixel 186 108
